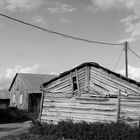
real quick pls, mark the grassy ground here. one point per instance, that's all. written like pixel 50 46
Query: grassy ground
pixel 64 130
pixel 14 129
pixel 78 131
pixel 30 136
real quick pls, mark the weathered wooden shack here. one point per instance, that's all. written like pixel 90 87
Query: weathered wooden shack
pixel 4 99
pixel 25 93
pixel 90 92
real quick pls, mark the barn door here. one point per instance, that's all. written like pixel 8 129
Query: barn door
pixel 34 102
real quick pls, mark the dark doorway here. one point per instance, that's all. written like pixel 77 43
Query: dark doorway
pixel 34 102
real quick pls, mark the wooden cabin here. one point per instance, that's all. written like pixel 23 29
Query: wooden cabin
pixel 25 93
pixel 90 92
pixel 4 99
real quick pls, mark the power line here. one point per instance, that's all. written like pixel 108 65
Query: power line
pixel 118 60
pixel 134 53
pixel 58 33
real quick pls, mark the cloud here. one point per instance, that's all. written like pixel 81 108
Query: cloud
pixel 132 26
pixel 133 72
pixel 39 20
pixel 131 23
pixel 13 5
pixel 109 4
pixel 19 69
pixel 7 76
pixel 61 8
pixel 65 20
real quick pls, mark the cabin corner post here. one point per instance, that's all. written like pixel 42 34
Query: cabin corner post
pixel 78 85
pixel 41 105
pixel 87 78
pixel 138 115
pixel 118 107
pixel 71 83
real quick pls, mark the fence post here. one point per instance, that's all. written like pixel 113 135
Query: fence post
pixel 118 107
pixel 138 115
pixel 41 105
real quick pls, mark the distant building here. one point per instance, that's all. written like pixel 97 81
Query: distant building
pixel 25 93
pixel 4 99
pixel 92 93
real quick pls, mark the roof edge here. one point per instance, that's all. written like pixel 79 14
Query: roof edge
pixel 13 81
pixel 94 65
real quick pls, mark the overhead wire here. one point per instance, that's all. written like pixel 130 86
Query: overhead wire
pixel 133 52
pixel 116 64
pixel 58 33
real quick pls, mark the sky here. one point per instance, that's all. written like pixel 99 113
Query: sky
pixel 29 50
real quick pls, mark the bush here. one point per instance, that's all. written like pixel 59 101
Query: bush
pixel 85 131
pixel 12 115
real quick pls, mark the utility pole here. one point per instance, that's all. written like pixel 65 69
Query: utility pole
pixel 126 58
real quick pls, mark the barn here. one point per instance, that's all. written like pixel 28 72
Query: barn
pixel 25 93
pixel 4 99
pixel 92 93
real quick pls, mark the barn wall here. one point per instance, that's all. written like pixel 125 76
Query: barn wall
pixel 17 89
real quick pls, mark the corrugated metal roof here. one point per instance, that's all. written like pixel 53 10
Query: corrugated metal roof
pixel 4 94
pixel 32 82
pixel 93 64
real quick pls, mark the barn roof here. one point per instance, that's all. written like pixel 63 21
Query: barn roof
pixel 96 65
pixel 4 94
pixel 32 82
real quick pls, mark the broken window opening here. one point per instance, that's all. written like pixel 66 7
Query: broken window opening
pixel 75 86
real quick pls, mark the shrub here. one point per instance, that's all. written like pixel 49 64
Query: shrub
pixel 86 131
pixel 12 115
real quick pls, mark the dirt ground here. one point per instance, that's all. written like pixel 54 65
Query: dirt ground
pixel 14 129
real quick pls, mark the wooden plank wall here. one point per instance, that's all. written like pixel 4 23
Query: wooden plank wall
pixel 130 109
pixel 61 104
pixel 57 107
pixel 64 84
pixel 104 83
pixel 93 105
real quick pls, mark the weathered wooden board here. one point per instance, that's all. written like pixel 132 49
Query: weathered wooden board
pixel 130 109
pixel 113 77
pixel 84 108
pixel 90 103
pixel 114 81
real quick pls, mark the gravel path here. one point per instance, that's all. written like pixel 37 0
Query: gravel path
pixel 14 128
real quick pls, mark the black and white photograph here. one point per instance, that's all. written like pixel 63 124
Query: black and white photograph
pixel 69 70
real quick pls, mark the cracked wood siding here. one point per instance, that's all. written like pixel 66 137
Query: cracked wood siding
pixel 104 83
pixel 61 104
pixel 130 109
pixel 64 84
pixel 84 108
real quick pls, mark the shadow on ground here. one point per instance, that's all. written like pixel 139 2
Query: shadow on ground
pixel 13 115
